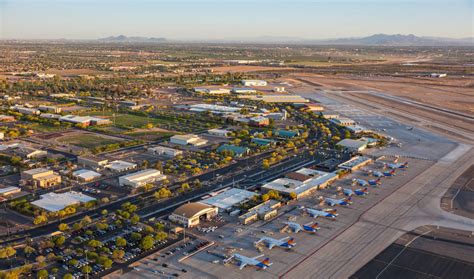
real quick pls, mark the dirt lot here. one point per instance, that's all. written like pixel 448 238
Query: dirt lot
pixel 246 68
pixel 453 93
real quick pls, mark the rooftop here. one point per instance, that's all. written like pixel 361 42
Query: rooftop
pixel 229 198
pixel 192 209
pixel 54 202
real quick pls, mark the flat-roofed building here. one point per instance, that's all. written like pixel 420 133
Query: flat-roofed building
pixel 52 109
pixel 189 214
pixel 188 139
pixel 85 175
pixel 164 151
pixel 27 152
pixel 6 118
pixel 92 162
pixel 291 99
pixel 10 190
pixel 301 185
pixel 219 132
pixel 29 111
pixel 216 109
pixel 242 90
pixel 329 115
pixel 53 202
pixel 343 121
pixel 41 177
pixel 263 211
pixel 120 166
pixel 355 163
pixel 141 178
pixel 237 151
pixel 230 198
pixel 287 134
pixel 353 145
pixel 259 121
pixel 253 82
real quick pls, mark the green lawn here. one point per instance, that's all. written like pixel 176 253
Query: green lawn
pixel 149 135
pixel 88 141
pixel 45 127
pixel 129 120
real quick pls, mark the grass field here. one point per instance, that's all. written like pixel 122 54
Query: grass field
pixel 45 128
pixel 87 140
pixel 128 120
pixel 150 135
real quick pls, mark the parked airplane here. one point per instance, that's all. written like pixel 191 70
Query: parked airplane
pixel 272 242
pixel 296 228
pixel 334 202
pixel 389 173
pixel 315 213
pixel 374 182
pixel 378 174
pixel 397 165
pixel 358 192
pixel 360 182
pixel 244 261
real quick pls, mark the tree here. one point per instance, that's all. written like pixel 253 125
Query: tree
pixel 59 240
pixel 160 236
pixel 86 269
pixel 185 187
pixel 42 274
pixel 293 195
pixel 135 236
pixel 104 212
pixel 63 227
pixel 68 276
pixel 40 219
pixel 94 243
pixel 121 242
pixel 162 193
pixel 7 252
pixel 147 242
pixel 28 250
pixel 118 254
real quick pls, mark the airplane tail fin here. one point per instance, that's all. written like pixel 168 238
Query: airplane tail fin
pixel 315 225
pixel 365 190
pixel 266 261
pixel 291 241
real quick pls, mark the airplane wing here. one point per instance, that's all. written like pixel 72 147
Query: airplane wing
pixel 242 265
pixel 259 256
pixel 285 238
pixel 271 245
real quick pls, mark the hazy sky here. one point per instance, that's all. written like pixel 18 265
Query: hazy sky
pixel 231 19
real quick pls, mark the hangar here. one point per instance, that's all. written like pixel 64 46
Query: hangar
pixel 190 214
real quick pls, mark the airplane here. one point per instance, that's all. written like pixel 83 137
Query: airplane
pixel 375 182
pixel 296 228
pixel 397 165
pixel 272 242
pixel 333 202
pixel 244 261
pixel 357 192
pixel 315 213
pixel 360 182
pixel 389 173
pixel 378 174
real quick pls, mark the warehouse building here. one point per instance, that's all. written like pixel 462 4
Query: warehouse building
pixel 262 142
pixel 229 199
pixel 52 109
pixel 286 134
pixel 237 151
pixel 259 121
pixel 53 202
pixel 190 214
pixel 141 178
pixel 216 109
pixel 85 175
pixel 120 166
pixel 243 90
pixel 189 139
pixel 212 91
pixel 28 111
pixel 164 151
pixel 352 145
pixel 219 132
pixel 41 177
pixel 303 182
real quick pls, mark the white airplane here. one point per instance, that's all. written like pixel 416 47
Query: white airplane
pixel 296 228
pixel 244 261
pixel 272 242
pixel 364 183
pixel 315 213
pixel 334 202
pixel 378 174
pixel 397 165
pixel 357 192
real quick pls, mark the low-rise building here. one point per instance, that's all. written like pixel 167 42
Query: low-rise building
pixel 352 145
pixel 52 109
pixel 27 152
pixel 263 211
pixel 120 166
pixel 303 182
pixel 242 90
pixel 6 118
pixel 10 190
pixel 262 142
pixel 54 202
pixel 141 178
pixel 212 91
pixel 253 82
pixel 313 107
pixel 280 133
pixel 189 214
pixel 229 199
pixel 85 175
pixel 219 132
pixel 329 115
pixel 216 109
pixel 259 121
pixel 28 111
pixel 291 99
pixel 164 151
pixel 188 139
pixel 355 163
pixel 343 121
pixel 92 162
pixel 41 177
pixel 237 151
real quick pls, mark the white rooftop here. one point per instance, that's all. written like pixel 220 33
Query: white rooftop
pixel 8 189
pixel 120 165
pixel 286 185
pixel 86 174
pixel 53 202
pixel 229 198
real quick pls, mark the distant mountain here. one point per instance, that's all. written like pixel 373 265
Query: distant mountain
pixel 123 38
pixel 398 40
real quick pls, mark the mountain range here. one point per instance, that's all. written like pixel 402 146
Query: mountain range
pixel 123 38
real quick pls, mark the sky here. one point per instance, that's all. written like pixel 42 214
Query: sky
pixel 231 19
